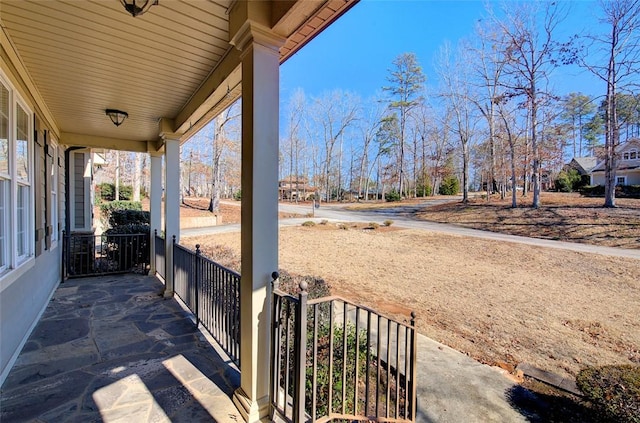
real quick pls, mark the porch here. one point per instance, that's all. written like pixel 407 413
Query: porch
pixel 111 349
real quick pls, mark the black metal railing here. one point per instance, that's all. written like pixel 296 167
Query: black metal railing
pixel 88 254
pixel 333 360
pixel 159 249
pixel 212 293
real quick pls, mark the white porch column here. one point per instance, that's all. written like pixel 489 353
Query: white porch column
pixel 259 238
pixel 155 207
pixel 171 207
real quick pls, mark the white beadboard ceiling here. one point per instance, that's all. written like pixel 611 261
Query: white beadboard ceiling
pixel 90 55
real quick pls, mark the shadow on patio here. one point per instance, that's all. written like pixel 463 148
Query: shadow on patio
pixel 112 349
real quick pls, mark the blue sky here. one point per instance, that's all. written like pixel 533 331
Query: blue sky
pixel 355 53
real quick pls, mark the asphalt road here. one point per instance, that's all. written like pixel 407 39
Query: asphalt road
pixel 402 216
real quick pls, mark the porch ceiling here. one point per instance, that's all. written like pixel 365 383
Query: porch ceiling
pixel 174 62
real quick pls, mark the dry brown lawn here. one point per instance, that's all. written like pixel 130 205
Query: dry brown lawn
pixel 501 303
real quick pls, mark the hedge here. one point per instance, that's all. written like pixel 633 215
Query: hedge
pixel 107 208
pixel 622 191
pixel 129 217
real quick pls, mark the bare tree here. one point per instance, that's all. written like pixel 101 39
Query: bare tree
pixel 614 57
pixel 457 94
pixel 488 67
pixel 423 123
pixel 333 113
pixel 293 145
pixel 219 142
pixel 137 167
pixel 509 117
pixel 530 49
pixel 368 127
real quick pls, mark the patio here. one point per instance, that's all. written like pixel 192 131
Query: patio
pixel 113 349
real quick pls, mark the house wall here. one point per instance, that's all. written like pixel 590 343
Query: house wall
pixel 597 179
pixel 78 191
pixel 633 178
pixel 23 302
pixel 27 285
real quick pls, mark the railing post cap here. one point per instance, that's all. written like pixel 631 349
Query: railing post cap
pixel 303 286
pixel 275 275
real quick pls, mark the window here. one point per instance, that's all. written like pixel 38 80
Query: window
pixel 23 187
pixel 16 179
pixel 630 155
pixel 621 180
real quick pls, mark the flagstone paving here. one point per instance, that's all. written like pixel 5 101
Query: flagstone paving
pixel 112 349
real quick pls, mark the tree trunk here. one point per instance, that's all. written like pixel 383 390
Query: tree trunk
pixel 136 176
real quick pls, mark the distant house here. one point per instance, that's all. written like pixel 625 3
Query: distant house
pixel 295 188
pixel 627 165
pixel 584 165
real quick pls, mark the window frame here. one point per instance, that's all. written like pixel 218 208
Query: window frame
pixel 5 191
pixel 27 197
pixel 619 179
pixel 18 230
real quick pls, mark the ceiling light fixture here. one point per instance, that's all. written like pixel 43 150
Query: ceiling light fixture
pixel 116 116
pixel 138 7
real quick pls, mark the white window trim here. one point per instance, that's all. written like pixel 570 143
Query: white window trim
pixel 30 218
pixel 624 179
pixel 16 265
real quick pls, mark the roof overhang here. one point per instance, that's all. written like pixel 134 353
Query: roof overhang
pixel 172 69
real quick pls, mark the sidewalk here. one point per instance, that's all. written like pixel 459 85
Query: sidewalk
pixel 454 388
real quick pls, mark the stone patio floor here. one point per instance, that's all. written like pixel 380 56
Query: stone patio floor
pixel 111 349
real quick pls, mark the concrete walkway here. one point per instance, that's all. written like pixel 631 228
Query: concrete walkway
pixel 111 349
pixel 401 217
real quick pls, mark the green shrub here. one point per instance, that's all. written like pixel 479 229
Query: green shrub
pixel 309 223
pixel 450 186
pixel 568 181
pixel 388 222
pixel 392 195
pixel 107 208
pixel 237 195
pixel 423 190
pixel 128 229
pixel 356 346
pixel 107 192
pixel 128 251
pixel 129 217
pixel 614 390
